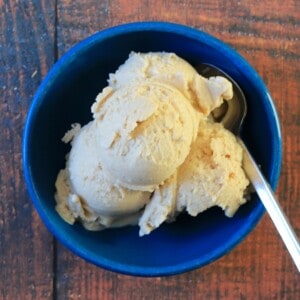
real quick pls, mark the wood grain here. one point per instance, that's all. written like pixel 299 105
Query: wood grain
pixel 26 53
pixel 32 34
pixel 270 41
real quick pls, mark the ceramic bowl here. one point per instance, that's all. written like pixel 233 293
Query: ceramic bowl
pixel 65 97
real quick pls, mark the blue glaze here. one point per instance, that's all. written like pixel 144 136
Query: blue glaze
pixel 65 97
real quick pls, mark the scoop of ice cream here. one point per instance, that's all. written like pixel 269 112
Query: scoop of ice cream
pixel 73 208
pixel 86 193
pixel 204 94
pixel 143 133
pixel 162 66
pixel 212 174
pixel 93 185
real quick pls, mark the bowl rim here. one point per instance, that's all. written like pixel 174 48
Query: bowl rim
pixel 166 27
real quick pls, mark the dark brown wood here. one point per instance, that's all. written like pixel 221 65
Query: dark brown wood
pixel 26 53
pixel 32 265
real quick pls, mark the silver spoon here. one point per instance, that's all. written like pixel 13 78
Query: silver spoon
pixel 232 114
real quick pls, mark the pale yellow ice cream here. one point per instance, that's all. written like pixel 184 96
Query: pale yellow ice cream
pixel 204 93
pixel 211 175
pixel 160 66
pixel 212 172
pixel 143 133
pixel 90 193
pixel 151 151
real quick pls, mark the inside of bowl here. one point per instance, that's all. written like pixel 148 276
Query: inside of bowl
pixel 65 98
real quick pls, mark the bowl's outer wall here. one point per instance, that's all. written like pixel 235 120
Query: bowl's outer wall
pixel 65 97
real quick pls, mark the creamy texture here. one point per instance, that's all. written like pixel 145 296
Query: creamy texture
pixel 151 150
pixel 212 172
pixel 90 182
pixel 143 133
pixel 89 190
pixel 160 66
pixel 210 176
pixel 205 94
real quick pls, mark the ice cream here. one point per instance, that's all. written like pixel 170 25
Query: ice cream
pixel 160 66
pixel 143 133
pixel 212 172
pixel 151 150
pixel 87 192
pixel 204 93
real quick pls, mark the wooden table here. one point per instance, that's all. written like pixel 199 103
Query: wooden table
pixel 33 35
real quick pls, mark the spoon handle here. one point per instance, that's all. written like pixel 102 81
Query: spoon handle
pixel 272 206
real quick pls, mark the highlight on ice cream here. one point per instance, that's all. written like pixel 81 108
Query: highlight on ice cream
pixel 152 150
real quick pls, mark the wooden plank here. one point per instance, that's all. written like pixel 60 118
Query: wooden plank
pixel 26 53
pixel 267 34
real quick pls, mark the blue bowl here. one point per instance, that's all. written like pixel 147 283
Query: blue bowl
pixel 65 97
